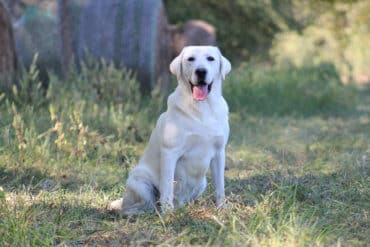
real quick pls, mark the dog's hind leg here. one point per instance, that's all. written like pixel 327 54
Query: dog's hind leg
pixel 141 195
pixel 198 191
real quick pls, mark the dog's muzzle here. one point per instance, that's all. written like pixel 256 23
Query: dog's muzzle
pixel 200 90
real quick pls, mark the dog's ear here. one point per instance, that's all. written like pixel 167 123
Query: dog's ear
pixel 176 66
pixel 225 66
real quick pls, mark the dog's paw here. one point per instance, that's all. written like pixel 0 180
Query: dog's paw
pixel 222 206
pixel 115 206
pixel 166 208
pixel 221 203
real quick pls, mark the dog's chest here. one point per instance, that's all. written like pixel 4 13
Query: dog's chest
pixel 200 148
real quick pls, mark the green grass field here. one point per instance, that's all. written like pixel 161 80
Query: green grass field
pixel 298 163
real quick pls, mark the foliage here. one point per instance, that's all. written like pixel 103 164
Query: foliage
pixel 300 91
pixel 339 36
pixel 288 33
pixel 244 28
pixel 99 94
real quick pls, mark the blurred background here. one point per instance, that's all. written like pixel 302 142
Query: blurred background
pixel 288 33
pixel 289 57
pixel 146 35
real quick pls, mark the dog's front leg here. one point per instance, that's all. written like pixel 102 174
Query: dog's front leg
pixel 218 170
pixel 168 165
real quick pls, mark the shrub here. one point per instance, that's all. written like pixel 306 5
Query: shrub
pixel 73 113
pixel 338 35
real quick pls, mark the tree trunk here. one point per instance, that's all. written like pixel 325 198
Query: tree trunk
pixel 130 33
pixel 65 20
pixel 8 55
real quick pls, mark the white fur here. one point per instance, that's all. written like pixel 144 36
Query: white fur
pixel 188 138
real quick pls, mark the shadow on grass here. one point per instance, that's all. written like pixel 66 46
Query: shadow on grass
pixel 72 224
pixel 83 224
pixel 34 180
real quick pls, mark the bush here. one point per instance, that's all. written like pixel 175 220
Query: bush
pixel 300 91
pixel 338 35
pixel 73 113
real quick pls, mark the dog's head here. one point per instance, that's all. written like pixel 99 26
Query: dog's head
pixel 199 67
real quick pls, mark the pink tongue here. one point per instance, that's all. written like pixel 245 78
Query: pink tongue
pixel 200 92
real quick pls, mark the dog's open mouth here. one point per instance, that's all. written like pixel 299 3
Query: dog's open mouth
pixel 201 90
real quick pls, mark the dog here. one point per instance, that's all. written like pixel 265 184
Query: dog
pixel 188 138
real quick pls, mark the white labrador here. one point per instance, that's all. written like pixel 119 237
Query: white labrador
pixel 188 138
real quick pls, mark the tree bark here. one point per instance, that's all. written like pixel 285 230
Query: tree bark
pixel 8 55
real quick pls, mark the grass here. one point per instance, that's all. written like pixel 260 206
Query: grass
pixel 294 178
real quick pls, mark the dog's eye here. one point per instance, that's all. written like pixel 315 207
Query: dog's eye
pixel 210 58
pixel 191 59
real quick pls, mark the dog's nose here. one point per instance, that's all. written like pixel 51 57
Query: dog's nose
pixel 201 73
